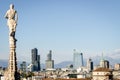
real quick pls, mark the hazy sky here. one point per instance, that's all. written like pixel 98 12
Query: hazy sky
pixel 89 26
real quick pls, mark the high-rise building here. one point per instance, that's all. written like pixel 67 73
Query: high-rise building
pixel 89 64
pixel 104 63
pixel 23 66
pixel 49 55
pixel 34 54
pixel 38 60
pixel 35 60
pixel 49 61
pixel 77 59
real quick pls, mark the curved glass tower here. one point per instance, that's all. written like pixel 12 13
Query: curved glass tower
pixel 77 60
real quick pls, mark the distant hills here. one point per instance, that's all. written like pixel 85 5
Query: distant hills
pixel 111 60
pixel 63 64
pixel 59 65
pixel 3 63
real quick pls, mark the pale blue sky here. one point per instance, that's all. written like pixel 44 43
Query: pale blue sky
pixel 90 26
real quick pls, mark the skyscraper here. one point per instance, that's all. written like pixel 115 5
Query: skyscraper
pixel 104 63
pixel 77 59
pixel 23 66
pixel 38 60
pixel 35 60
pixel 34 54
pixel 49 55
pixel 49 61
pixel 89 64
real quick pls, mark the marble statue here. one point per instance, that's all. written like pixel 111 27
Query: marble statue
pixel 12 17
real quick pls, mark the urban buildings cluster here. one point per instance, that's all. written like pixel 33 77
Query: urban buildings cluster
pixel 78 70
pixel 35 62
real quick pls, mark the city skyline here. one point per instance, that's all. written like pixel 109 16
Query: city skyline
pixel 91 27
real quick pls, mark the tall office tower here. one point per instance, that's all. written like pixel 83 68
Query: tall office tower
pixel 23 66
pixel 104 63
pixel 38 60
pixel 89 64
pixel 49 61
pixel 81 55
pixel 35 60
pixel 77 59
pixel 34 54
pixel 49 55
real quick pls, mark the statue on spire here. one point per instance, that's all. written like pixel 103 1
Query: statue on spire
pixel 12 17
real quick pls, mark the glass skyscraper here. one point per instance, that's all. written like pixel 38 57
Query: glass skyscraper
pixel 77 60
pixel 35 60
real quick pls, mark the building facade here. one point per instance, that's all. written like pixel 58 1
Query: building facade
pixel 35 60
pixel 23 66
pixel 104 63
pixel 102 74
pixel 49 61
pixel 77 60
pixel 89 64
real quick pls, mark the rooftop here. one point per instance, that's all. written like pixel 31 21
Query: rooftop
pixel 102 69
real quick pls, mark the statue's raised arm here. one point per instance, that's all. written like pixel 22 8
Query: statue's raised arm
pixel 12 17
